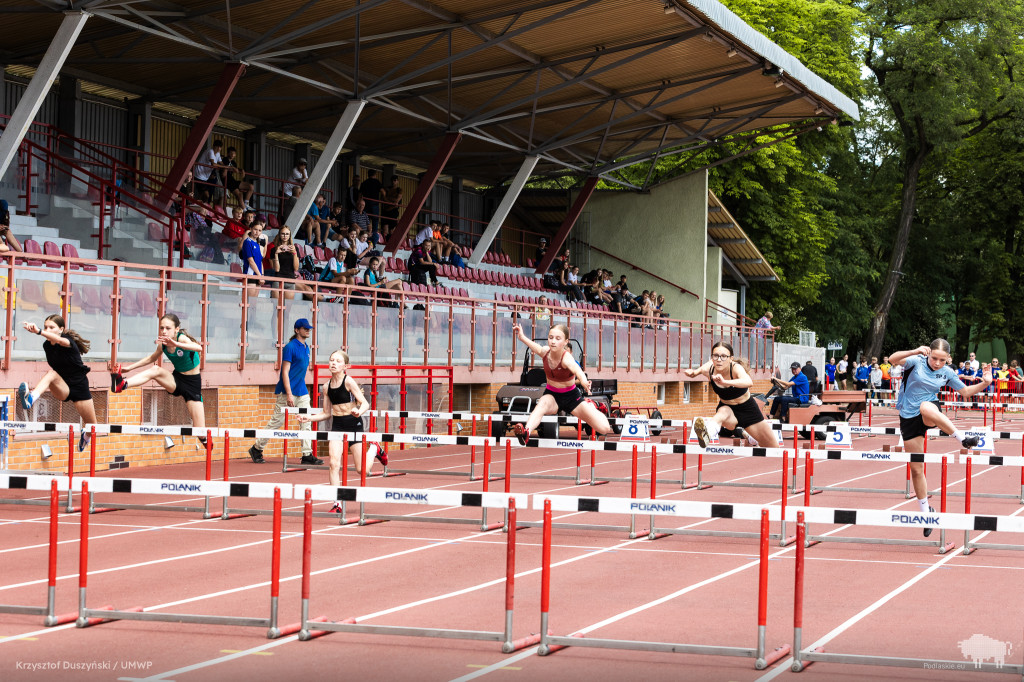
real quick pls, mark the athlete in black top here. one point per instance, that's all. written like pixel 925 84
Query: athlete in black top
pixel 68 377
pixel 736 410
pixel 344 404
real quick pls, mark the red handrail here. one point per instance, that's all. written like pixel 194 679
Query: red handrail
pixel 708 303
pixel 640 269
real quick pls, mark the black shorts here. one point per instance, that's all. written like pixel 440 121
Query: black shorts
pixel 842 376
pixel 78 388
pixel 747 413
pixel 912 427
pixel 348 423
pixel 188 386
pixel 567 401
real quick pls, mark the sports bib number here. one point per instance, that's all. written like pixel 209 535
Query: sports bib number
pixel 637 428
pixel 840 438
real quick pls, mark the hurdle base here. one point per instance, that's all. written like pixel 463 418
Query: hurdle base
pixel 592 482
pixel 228 517
pixel 365 521
pixel 294 628
pixel 786 542
pixel 63 619
pixel 947 548
pixel 688 486
pixel 804 664
pixel 657 536
pixel 518 644
pixel 772 658
pixel 85 622
pixel 306 635
pixel 704 486
pixel 552 648
pixel 103 510
pixel 491 526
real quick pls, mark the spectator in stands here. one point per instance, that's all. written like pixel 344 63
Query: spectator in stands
pixel 765 323
pixel 426 232
pixel 972 360
pixel 420 263
pixel 317 224
pixel 8 242
pixel 207 172
pixel 443 245
pixel 235 180
pixel 345 264
pixel 800 393
pixel 572 292
pixel 843 372
pixel 543 311
pixel 370 191
pixel 542 248
pixel 236 226
pixel 285 261
pixel 358 219
pixel 352 192
pixel 1015 372
pixel 359 243
pixel 559 263
pixel 297 181
pixel 253 251
pixel 338 216
pixel 374 276
pixel 875 378
pixel 391 208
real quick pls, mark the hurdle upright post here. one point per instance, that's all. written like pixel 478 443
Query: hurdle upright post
pixel 652 535
pixel 83 557
pixel 632 495
pixel 545 578
pixel 798 596
pixel 209 472
pixel 71 467
pixel 967 506
pixel 472 449
pixel 273 632
pixel 783 540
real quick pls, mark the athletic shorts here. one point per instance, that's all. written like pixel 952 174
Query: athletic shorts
pixel 348 424
pixel 567 401
pixel 78 388
pixel 912 427
pixel 188 386
pixel 747 413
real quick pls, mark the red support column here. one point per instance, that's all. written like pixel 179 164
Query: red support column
pixel 555 248
pixel 201 130
pixel 419 197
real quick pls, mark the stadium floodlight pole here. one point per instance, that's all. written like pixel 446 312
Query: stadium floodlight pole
pixel 46 73
pixel 504 208
pixel 325 163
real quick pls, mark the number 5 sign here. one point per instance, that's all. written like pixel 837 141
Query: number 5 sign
pixel 841 437
pixel 637 428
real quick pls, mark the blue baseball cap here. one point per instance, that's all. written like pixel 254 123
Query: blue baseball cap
pixel 303 323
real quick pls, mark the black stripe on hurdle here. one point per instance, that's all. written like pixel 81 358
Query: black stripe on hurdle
pixel 915 457
pixel 472 500
pixel 248 433
pixel 186 431
pixel 238 490
pixel 845 516
pixel 587 504
pixel 608 446
pixel 833 454
pixel 18 483
pixel 996 460
pixel 122 485
pixel 1004 434
pixel 462 440
pixel 678 449
pixel 387 438
pixel 116 428
pixel 346 494
pixel 984 523
pixel 830 429
pixel 403 415
pixel 760 452
pixel 49 427
pixel 322 435
pixel 721 511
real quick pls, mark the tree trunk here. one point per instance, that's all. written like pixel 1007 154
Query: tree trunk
pixel 913 162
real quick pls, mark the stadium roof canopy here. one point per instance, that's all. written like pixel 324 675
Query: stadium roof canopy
pixel 589 86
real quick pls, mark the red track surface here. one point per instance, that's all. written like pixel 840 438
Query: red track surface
pixel 883 600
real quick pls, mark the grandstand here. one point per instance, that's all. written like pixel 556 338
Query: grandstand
pixel 107 110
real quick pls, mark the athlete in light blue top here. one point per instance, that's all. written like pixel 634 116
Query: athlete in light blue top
pixel 925 371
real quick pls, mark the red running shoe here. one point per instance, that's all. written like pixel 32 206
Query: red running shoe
pixel 381 456
pixel 117 382
pixel 336 509
pixel 522 434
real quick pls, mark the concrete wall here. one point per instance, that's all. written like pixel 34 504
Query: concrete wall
pixel 664 232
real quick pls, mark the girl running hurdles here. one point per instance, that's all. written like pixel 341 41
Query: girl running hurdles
pixel 67 379
pixel 344 404
pixel 183 352
pixel 925 371
pixel 561 392
pixel 737 410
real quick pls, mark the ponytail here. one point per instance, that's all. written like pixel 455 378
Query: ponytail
pixel 177 323
pixel 83 344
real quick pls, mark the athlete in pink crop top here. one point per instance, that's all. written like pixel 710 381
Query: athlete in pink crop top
pixel 561 392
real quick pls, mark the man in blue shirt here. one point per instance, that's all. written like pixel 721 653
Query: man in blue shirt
pixel 291 390
pixel 801 393
pixel 926 370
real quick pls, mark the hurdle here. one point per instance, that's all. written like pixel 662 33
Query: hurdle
pixel 551 643
pixel 88 617
pixel 50 618
pixel 970 545
pixel 312 628
pixel 285 468
pixel 804 657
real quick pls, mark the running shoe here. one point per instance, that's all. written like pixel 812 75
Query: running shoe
pixel 256 454
pixel 202 441
pixel 117 382
pixel 336 509
pixel 700 430
pixel 83 440
pixel 928 531
pixel 381 456
pixel 742 434
pixel 522 434
pixel 310 459
pixel 970 442
pixel 24 396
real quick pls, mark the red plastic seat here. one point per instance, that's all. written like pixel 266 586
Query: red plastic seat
pixel 529 263
pixel 32 246
pixel 69 251
pixel 129 304
pixel 50 249
pixel 31 291
pixel 236 268
pixel 158 233
pixel 272 222
pixel 92 298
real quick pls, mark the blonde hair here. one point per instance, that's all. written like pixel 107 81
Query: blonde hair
pixel 343 354
pixel 83 345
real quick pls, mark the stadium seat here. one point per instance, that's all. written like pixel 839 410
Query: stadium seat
pixel 272 222
pixel 50 249
pixel 69 251
pixel 158 233
pixel 146 299
pixel 31 295
pixel 529 262
pixel 32 246
pixel 236 268
pixel 92 298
